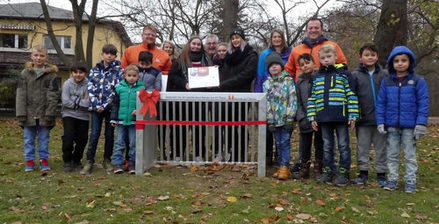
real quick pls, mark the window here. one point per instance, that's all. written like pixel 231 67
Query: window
pixel 65 42
pixel 13 40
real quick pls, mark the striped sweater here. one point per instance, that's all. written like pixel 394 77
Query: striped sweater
pixel 332 99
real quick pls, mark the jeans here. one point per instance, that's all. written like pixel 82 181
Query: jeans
pixel 283 145
pixel 396 137
pixel 343 145
pixel 74 139
pixel 366 135
pixel 122 132
pixel 96 125
pixel 29 134
pixel 305 145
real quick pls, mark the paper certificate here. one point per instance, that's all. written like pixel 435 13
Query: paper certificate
pixel 201 77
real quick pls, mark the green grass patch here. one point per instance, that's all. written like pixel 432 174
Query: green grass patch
pixel 177 195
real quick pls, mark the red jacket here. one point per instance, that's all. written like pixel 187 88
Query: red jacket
pixel 160 58
pixel 292 65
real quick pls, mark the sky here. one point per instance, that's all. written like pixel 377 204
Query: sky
pixel 65 4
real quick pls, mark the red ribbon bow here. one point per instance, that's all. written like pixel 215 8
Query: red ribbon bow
pixel 149 100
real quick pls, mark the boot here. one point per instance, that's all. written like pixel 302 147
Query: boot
pixel 304 169
pixel 318 165
pixel 284 172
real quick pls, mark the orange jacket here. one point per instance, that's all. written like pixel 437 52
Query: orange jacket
pixel 292 65
pixel 160 58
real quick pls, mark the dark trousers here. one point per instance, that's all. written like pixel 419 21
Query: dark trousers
pixel 96 126
pixel 74 139
pixel 305 145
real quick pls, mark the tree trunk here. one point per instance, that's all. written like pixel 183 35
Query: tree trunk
pixel 230 17
pixel 392 28
pixel 51 34
pixel 91 33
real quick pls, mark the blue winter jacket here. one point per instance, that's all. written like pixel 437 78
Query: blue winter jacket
pixel 262 69
pixel 402 104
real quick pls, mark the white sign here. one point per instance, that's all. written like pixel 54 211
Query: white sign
pixel 200 77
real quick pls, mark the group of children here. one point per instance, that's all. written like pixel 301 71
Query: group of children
pixel 387 108
pixel 109 94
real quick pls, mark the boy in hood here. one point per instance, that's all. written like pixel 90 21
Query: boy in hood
pixel 402 109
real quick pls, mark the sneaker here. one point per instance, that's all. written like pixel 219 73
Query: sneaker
pixel 326 177
pixel 390 185
pixel 87 169
pixel 177 159
pixel 381 180
pixel 341 180
pixel 30 166
pixel 218 157
pixel 198 159
pixel 410 188
pixel 68 167
pixel 106 165
pixel 44 164
pixel 131 168
pixel 118 169
pixel 361 179
pixel 77 165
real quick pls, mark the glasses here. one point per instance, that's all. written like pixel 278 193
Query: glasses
pixel 149 34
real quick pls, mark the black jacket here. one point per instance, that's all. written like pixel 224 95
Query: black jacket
pixel 239 70
pixel 361 85
pixel 178 79
pixel 303 91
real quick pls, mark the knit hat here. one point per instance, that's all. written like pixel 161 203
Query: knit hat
pixel 273 57
pixel 238 31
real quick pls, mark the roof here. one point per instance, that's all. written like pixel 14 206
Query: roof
pixel 33 10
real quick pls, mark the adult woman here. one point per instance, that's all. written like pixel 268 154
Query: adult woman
pixel 192 55
pixel 236 75
pixel 278 44
pixel 218 58
pixel 169 48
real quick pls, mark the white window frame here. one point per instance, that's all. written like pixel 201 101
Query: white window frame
pixel 69 51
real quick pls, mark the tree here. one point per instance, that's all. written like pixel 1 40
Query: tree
pixel 78 15
pixel 393 20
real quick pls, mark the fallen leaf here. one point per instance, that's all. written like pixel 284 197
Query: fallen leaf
pixel 232 199
pixel 421 217
pixel 366 196
pixel 295 191
pixel 353 166
pixel 197 203
pixel 61 181
pixel 410 204
pixel 107 195
pixel 123 205
pixel 355 210
pixel 90 204
pixel 405 215
pixel 290 217
pixel 117 203
pixel 169 208
pixel 68 217
pixel 320 202
pixel 163 198
pixel 279 208
pixel 337 209
pixel 303 216
pixel 194 168
pixel 283 201
pixel 425 162
pixel 148 212
pixel 146 174
pixel 110 210
pixel 248 195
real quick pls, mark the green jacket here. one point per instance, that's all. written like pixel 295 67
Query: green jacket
pixel 38 96
pixel 125 102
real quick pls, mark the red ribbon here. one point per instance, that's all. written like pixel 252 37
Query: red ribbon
pixel 149 100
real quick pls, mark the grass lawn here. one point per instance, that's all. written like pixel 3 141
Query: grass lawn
pixel 212 194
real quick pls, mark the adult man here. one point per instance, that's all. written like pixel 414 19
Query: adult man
pixel 210 45
pixel 311 44
pixel 160 59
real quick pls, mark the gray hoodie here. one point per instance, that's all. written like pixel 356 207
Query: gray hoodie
pixel 73 102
